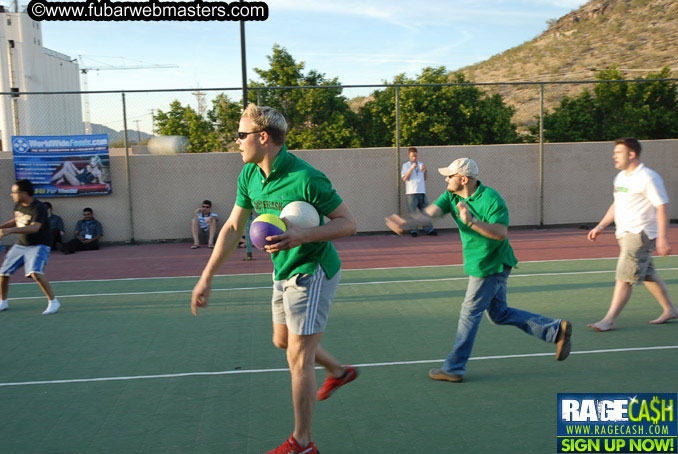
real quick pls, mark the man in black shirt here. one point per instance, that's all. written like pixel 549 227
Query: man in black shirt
pixel 32 249
pixel 56 227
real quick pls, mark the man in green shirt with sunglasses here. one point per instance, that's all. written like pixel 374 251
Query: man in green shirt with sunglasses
pixel 306 264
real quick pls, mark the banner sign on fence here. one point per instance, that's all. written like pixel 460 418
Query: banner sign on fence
pixel 594 423
pixel 63 166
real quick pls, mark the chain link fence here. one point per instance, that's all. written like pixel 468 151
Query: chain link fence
pixel 154 195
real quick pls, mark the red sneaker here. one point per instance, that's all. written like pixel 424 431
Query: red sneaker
pixel 292 447
pixel 332 384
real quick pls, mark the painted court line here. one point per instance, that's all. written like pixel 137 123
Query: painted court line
pixel 260 371
pixel 402 281
pixel 343 270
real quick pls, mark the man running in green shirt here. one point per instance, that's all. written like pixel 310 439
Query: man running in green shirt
pixel 483 219
pixel 306 264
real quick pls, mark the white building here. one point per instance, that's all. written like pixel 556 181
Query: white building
pixel 27 66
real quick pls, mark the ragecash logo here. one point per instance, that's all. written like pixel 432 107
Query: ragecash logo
pixel 623 423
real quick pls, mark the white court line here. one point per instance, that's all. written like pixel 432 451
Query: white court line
pixel 343 270
pixel 260 371
pixel 161 292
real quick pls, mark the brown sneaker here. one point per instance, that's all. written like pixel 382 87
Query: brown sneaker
pixel 563 344
pixel 439 374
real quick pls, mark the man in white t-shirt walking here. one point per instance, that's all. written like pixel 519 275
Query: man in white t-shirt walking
pixel 414 174
pixel 640 212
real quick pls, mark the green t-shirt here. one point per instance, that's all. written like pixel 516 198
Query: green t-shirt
pixel 290 180
pixel 482 256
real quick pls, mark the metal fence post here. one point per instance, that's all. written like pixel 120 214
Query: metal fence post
pixel 541 155
pixel 127 171
pixel 397 113
pixel 248 240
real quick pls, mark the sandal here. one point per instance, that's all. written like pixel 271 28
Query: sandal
pixel 195 246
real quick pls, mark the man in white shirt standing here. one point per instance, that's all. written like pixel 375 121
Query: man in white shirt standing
pixel 640 212
pixel 414 174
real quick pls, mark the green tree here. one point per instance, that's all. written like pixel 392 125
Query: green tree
pixel 316 118
pixel 646 110
pixel 437 115
pixel 185 121
pixel 377 119
pixel 224 116
pixel 575 120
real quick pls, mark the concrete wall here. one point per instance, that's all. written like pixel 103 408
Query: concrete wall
pixel 578 178
pixel 167 189
pixel 511 169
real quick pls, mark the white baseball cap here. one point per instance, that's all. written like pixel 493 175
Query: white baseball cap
pixel 462 166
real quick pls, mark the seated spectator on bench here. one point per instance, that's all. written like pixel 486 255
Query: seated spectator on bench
pixel 88 231
pixel 56 227
pixel 204 225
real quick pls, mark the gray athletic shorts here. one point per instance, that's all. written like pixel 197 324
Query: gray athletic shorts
pixel 635 257
pixel 303 301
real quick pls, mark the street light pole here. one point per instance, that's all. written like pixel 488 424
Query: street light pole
pixel 244 63
pixel 248 241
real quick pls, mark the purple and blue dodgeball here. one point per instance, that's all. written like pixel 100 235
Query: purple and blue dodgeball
pixel 263 226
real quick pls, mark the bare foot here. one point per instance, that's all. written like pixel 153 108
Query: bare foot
pixel 602 326
pixel 665 318
pixel 195 246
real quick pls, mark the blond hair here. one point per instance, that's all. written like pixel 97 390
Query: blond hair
pixel 267 119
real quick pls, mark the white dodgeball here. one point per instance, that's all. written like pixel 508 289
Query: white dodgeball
pixel 301 215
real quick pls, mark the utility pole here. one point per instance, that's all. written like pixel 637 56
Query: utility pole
pixel 138 132
pixel 152 121
pixel 202 107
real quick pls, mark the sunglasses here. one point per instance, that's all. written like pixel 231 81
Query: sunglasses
pixel 243 135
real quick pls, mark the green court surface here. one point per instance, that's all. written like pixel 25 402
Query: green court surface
pixel 140 339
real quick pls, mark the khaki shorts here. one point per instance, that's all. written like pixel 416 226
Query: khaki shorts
pixel 635 258
pixel 303 301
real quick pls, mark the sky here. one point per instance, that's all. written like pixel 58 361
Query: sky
pixel 360 42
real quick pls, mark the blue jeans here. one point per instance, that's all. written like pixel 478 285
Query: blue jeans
pixel 418 202
pixel 489 294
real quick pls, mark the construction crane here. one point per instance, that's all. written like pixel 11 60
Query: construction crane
pixel 85 86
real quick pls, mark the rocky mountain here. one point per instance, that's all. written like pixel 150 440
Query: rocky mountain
pixel 118 136
pixel 639 36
